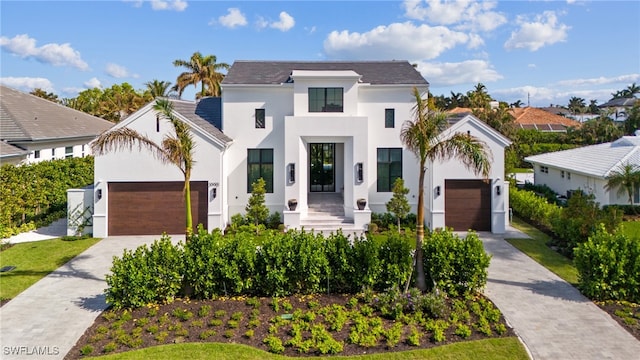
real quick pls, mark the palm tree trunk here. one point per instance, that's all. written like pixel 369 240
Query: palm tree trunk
pixel 420 278
pixel 187 202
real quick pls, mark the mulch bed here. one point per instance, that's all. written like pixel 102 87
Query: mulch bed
pixel 108 329
pixel 625 313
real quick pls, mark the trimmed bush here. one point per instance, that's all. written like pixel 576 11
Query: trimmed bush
pixel 609 266
pixel 532 207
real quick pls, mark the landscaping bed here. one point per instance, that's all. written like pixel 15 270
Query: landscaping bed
pixel 625 313
pixel 299 325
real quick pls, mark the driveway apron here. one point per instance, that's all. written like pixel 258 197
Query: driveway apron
pixel 553 319
pixel 47 319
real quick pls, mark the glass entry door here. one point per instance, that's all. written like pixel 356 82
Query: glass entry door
pixel 322 167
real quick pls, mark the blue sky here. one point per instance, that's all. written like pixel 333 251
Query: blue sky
pixel 543 52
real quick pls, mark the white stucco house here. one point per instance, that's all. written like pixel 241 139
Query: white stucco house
pixel 33 129
pixel 587 168
pixel 323 133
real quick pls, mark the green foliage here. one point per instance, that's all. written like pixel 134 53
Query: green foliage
pixel 274 344
pixel 399 205
pixel 456 266
pixel 609 266
pixel 257 211
pixel 528 205
pixel 34 195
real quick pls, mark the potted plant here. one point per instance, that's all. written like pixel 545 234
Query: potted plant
pixel 293 203
pixel 361 203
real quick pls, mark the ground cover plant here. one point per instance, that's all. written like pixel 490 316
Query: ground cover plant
pixel 34 260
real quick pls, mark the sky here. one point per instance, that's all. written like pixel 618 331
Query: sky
pixel 538 52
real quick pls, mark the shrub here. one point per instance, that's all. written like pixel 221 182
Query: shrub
pixel 609 266
pixel 532 207
pixel 456 266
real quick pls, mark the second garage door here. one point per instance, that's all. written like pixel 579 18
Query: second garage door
pixel 151 208
pixel 468 205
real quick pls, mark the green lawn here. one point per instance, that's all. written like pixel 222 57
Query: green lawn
pixel 536 249
pixel 631 229
pixel 489 349
pixel 34 260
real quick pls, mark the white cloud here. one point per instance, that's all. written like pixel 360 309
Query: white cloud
pixel 534 34
pixel 465 72
pixel 54 54
pixel 27 83
pixel 462 14
pixel 532 66
pixel 116 71
pixel 310 30
pixel 396 41
pixel 285 23
pixel 177 5
pixel 233 19
pixel 93 83
pixel 622 79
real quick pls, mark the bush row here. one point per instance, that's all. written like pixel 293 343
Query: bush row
pixel 212 264
pixel 36 194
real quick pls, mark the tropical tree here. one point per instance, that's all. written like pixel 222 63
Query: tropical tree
pixel 626 178
pixel 200 70
pixel 629 92
pixel 177 149
pixel 422 135
pixel 479 97
pixel 45 95
pixel 576 105
pixel 157 88
pixel 632 122
pixel 518 103
pixel 593 107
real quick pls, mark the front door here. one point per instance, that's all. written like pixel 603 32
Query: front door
pixel 322 167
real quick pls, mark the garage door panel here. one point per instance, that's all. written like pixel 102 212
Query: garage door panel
pixel 468 205
pixel 151 208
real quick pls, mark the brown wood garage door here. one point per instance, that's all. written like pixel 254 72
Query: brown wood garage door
pixel 151 208
pixel 468 205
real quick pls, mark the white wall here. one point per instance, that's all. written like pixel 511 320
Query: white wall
pixel 51 150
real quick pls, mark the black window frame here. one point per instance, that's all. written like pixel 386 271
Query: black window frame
pixel 265 168
pixel 389 118
pixel 260 118
pixel 68 155
pixel 320 99
pixel 36 154
pixel 385 169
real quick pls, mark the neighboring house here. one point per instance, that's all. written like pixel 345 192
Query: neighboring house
pixel 10 154
pixel 587 168
pixel 44 129
pixel 617 109
pixel 323 133
pixel 541 120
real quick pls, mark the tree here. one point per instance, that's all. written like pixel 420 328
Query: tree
pixel 518 103
pixel 423 136
pixel 257 211
pixel 626 178
pixel 399 205
pixel 576 105
pixel 177 149
pixel 158 88
pixel 632 122
pixel 593 107
pixel 479 97
pixel 200 70
pixel 45 95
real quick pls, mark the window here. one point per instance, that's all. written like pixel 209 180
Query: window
pixel 83 151
pixel 68 151
pixel 389 168
pixel 36 154
pixel 260 165
pixel 568 176
pixel 260 118
pixel 325 99
pixel 544 169
pixel 389 118
pixel 636 195
pixel 562 174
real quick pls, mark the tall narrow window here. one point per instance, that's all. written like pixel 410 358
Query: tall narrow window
pixel 326 99
pixel 260 165
pixel 389 168
pixel 389 118
pixel 68 151
pixel 36 154
pixel 260 118
pixel 157 123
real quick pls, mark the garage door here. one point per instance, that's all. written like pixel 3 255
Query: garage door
pixel 468 205
pixel 151 208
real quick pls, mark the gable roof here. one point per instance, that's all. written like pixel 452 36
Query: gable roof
pixel 595 160
pixel 206 114
pixel 7 150
pixel 457 120
pixel 619 102
pixel 279 72
pixel 25 117
pixel 539 119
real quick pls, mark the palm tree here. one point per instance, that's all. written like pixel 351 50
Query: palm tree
pixel 626 177
pixel 422 136
pixel 479 96
pixel 158 88
pixel 576 105
pixel 176 149
pixel 632 90
pixel 203 70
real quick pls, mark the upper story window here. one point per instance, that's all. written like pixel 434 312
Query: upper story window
pixel 68 151
pixel 326 99
pixel 260 118
pixel 389 118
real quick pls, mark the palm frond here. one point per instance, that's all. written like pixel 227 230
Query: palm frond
pixel 125 139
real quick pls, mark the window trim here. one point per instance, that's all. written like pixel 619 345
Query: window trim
pixel 324 98
pixel 389 175
pixel 36 154
pixel 269 182
pixel 66 152
pixel 263 116
pixel 389 123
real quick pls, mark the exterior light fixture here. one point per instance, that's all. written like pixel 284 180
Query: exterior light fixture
pixel 498 190
pixel 359 172
pixel 292 173
pixel 438 190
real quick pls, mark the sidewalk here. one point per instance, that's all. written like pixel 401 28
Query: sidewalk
pixel 553 319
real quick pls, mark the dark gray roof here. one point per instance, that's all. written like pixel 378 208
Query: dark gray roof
pixel 8 150
pixel 278 72
pixel 25 117
pixel 206 114
pixel 619 102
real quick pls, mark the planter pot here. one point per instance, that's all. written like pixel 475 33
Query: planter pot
pixel 361 204
pixel 293 203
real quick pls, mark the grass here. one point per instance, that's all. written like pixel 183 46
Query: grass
pixel 537 249
pixel 631 229
pixel 34 260
pixel 488 349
